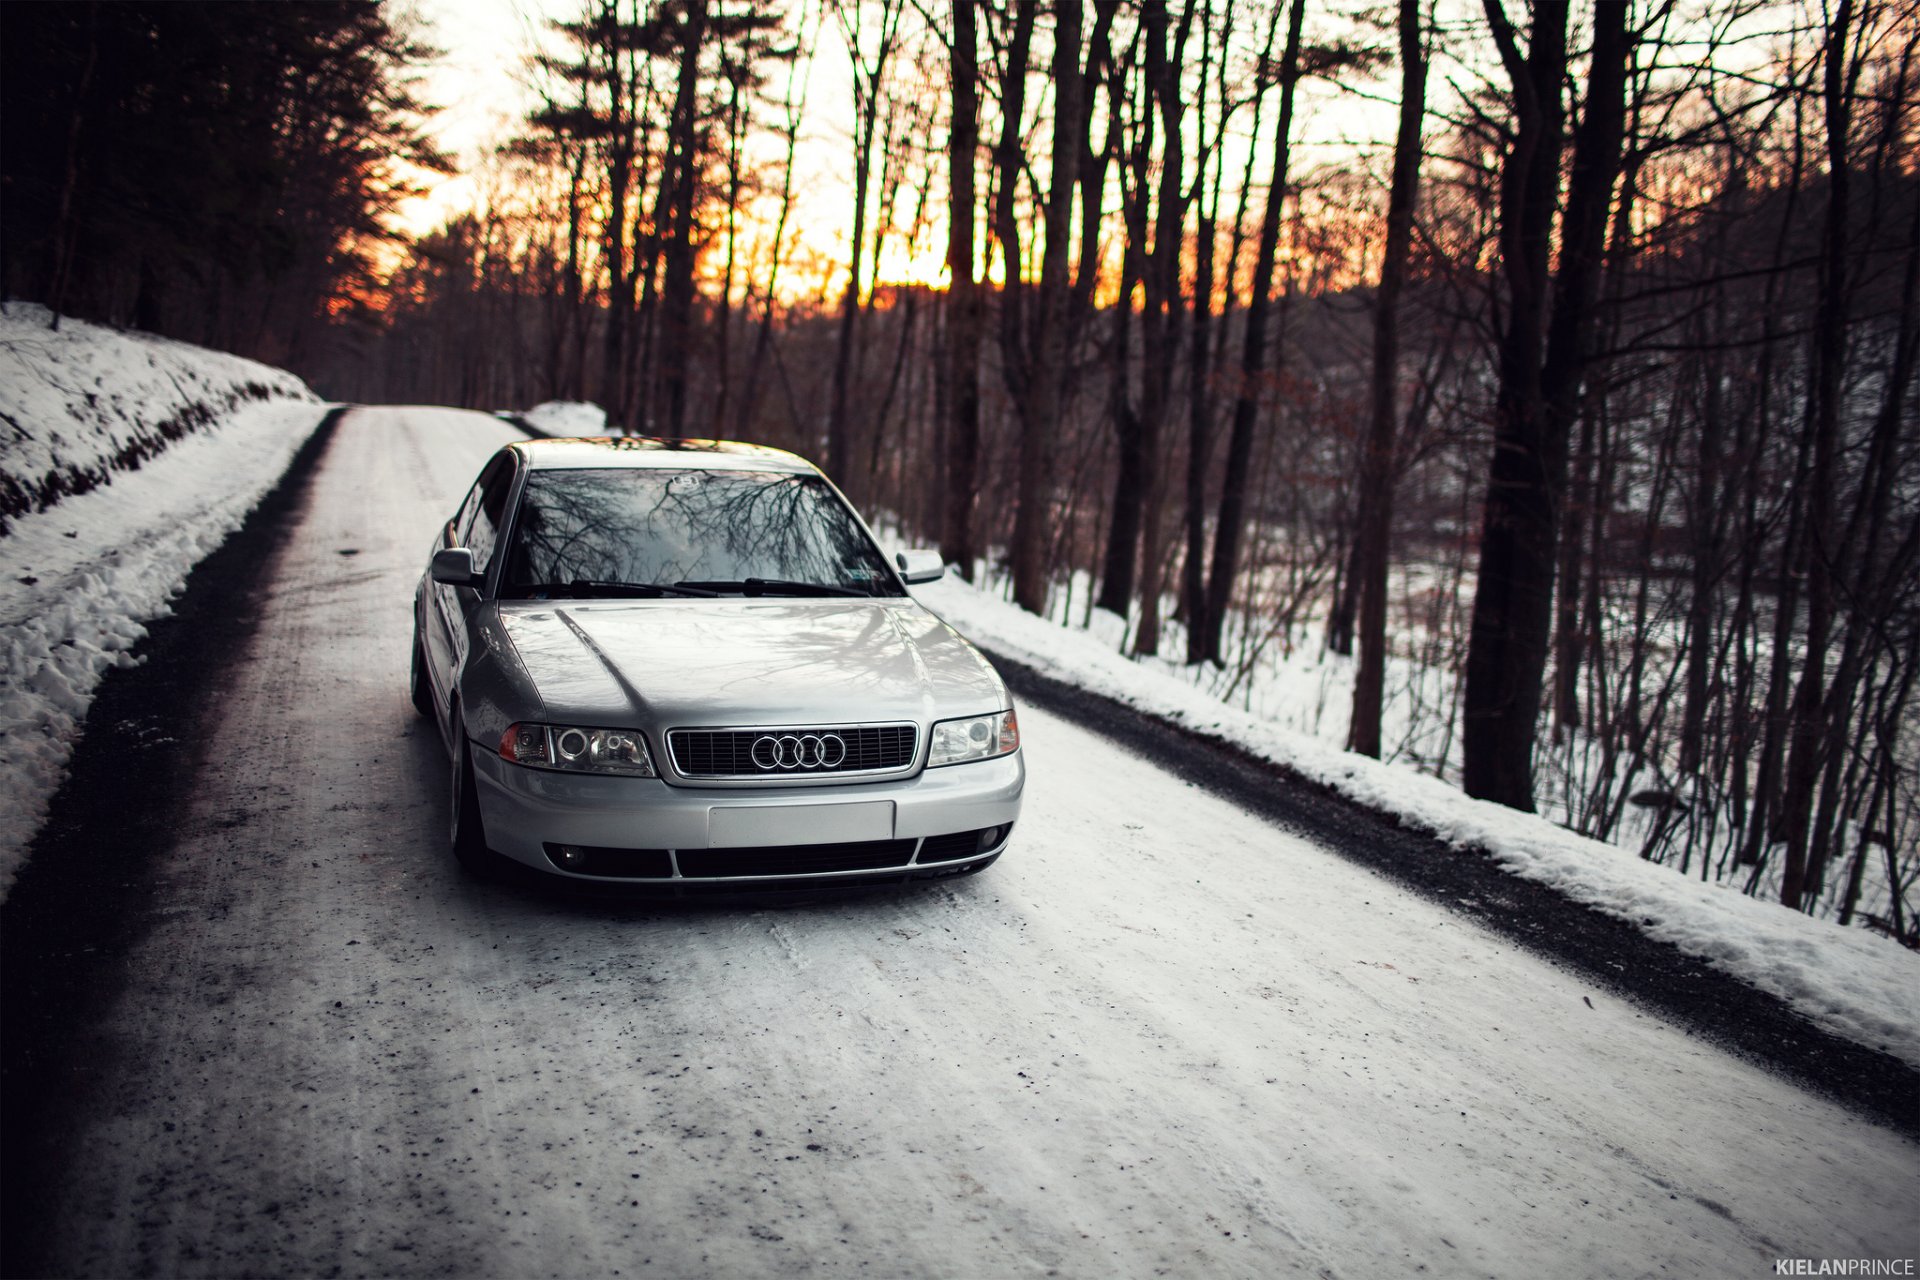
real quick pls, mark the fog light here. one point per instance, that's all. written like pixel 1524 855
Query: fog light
pixel 570 856
pixel 989 838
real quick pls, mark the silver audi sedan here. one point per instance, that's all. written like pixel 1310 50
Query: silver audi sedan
pixel 685 664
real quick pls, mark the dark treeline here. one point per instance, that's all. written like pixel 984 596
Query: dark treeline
pixel 212 172
pixel 1579 409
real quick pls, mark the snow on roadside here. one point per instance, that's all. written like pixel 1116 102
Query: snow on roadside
pixel 84 404
pixel 1854 983
pixel 84 576
pixel 564 418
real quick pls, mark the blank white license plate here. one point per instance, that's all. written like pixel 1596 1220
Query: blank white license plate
pixel 742 826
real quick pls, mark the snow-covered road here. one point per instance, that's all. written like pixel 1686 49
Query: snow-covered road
pixel 1159 1037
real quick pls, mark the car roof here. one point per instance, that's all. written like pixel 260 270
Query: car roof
pixel 657 453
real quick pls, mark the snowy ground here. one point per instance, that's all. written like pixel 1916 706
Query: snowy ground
pixel 1159 1037
pixel 565 418
pixel 1278 668
pixel 1857 984
pixel 83 576
pixel 83 404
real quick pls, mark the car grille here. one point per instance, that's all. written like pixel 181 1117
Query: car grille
pixel 795 859
pixel 730 753
pixel 797 866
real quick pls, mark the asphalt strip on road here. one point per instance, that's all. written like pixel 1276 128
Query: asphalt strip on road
pixel 81 902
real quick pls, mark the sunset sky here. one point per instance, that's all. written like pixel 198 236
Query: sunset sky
pixel 478 83
pixel 481 84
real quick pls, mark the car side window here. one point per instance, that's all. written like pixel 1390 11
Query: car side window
pixel 463 518
pixel 484 521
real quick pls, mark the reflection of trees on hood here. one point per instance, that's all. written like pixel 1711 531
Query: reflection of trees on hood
pixel 679 526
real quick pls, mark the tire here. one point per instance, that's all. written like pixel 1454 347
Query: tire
pixel 467 833
pixel 418 686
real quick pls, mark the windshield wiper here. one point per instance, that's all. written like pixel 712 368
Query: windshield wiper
pixel 776 587
pixel 581 588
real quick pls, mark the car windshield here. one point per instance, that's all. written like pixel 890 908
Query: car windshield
pixel 688 533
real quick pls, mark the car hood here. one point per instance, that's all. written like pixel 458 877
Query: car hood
pixel 674 663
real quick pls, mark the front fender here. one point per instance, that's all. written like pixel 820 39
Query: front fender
pixel 494 688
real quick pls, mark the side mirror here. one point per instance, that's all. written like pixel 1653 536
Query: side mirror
pixel 920 566
pixel 454 567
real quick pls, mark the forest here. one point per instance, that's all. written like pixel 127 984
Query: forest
pixel 1546 371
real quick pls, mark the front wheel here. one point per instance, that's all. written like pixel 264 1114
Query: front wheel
pixel 468 835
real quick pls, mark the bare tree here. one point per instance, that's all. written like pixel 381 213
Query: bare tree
pixel 1160 336
pixel 1374 504
pixel 870 71
pixel 1818 553
pixel 1543 351
pixel 965 316
pixel 1041 383
pixel 1254 356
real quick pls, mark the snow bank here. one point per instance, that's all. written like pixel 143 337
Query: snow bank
pixel 566 418
pixel 83 404
pixel 1854 983
pixel 107 555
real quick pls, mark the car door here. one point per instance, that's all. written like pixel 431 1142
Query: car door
pixel 476 527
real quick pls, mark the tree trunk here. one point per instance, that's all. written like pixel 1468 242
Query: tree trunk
pixel 676 290
pixel 1200 352
pixel 1828 359
pixel 1537 398
pixel 1378 463
pixel 1160 324
pixel 1199 441
pixel 868 86
pixel 1007 154
pixel 1569 635
pixel 736 118
pixel 1229 529
pixel 1130 467
pixel 1705 525
pixel 1773 728
pixel 614 240
pixel 964 315
pixel 1045 399
pixel 795 107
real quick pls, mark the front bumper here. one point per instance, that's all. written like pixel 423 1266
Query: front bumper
pixel 527 812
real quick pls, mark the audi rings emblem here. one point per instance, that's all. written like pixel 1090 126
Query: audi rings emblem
pixel 799 751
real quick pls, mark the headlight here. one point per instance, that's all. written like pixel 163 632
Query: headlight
pixel 577 750
pixel 974 738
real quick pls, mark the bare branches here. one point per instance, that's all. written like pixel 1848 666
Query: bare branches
pixel 1571 318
